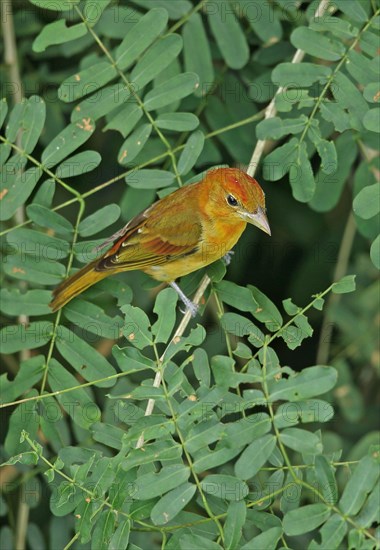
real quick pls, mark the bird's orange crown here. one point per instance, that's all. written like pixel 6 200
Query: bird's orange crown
pixel 239 184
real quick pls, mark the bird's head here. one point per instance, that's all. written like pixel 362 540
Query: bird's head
pixel 238 195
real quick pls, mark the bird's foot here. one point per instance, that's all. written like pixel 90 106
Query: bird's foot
pixel 189 305
pixel 228 257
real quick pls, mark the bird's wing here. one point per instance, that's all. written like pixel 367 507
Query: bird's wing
pixel 154 237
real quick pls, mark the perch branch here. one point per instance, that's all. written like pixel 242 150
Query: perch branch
pixel 178 334
pixel 271 110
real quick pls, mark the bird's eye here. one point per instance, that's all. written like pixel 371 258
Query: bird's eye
pixel 231 200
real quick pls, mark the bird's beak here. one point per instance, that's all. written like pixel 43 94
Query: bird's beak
pixel 259 219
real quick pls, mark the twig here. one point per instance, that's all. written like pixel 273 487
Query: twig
pixel 10 49
pixel 271 110
pixel 339 272
pixel 178 333
pixel 11 61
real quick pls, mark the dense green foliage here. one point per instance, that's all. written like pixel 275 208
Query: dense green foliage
pixel 264 428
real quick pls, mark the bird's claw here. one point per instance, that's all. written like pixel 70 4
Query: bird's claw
pixel 193 308
pixel 228 257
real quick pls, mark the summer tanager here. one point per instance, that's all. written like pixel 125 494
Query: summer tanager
pixel 186 230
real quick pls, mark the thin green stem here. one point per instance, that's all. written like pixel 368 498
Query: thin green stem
pixel 73 388
pixel 220 313
pixel 290 466
pixel 133 92
pixel 271 412
pixel 56 324
pixel 332 76
pixel 71 542
pixel 72 481
pixel 41 166
pixel 190 462
pixel 289 323
pixel 186 17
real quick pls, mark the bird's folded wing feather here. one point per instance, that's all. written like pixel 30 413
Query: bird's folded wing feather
pixel 154 237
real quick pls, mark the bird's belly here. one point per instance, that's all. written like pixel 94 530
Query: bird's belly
pixel 207 253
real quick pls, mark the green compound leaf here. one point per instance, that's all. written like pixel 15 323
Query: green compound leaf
pixel 264 21
pixel 30 372
pixel 93 319
pixel 140 37
pixel 31 336
pixel 137 326
pixel 228 35
pixel 172 90
pixel 170 505
pixel 371 120
pixel 150 179
pixel 346 284
pixel 34 269
pixel 98 221
pixel 107 99
pixel 189 156
pixel 308 383
pixel 301 441
pixel 367 202
pixel 305 519
pixel 332 533
pixel 20 422
pixel 165 309
pixel 44 217
pixel 356 10
pixel 265 310
pixel 193 542
pixel 58 33
pixel 177 122
pixel 225 487
pixel 267 539
pixel 67 141
pixel 134 144
pixel 78 402
pixel 375 252
pixel 362 481
pixel 255 456
pixel 62 5
pixel 83 82
pixel 317 44
pixel 197 54
pixel 32 302
pixel 300 75
pixel 279 161
pixel 153 485
pixel 120 538
pixel 40 245
pixel 155 60
pixel 237 296
pixel 276 127
pixel 236 516
pixel 79 164
pixel 85 359
pixel 301 176
pixel 16 188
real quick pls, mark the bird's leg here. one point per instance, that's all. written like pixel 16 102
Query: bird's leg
pixel 193 308
pixel 228 257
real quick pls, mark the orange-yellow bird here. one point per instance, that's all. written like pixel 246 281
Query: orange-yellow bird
pixel 186 230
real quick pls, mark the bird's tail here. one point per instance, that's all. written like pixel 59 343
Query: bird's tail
pixel 76 284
